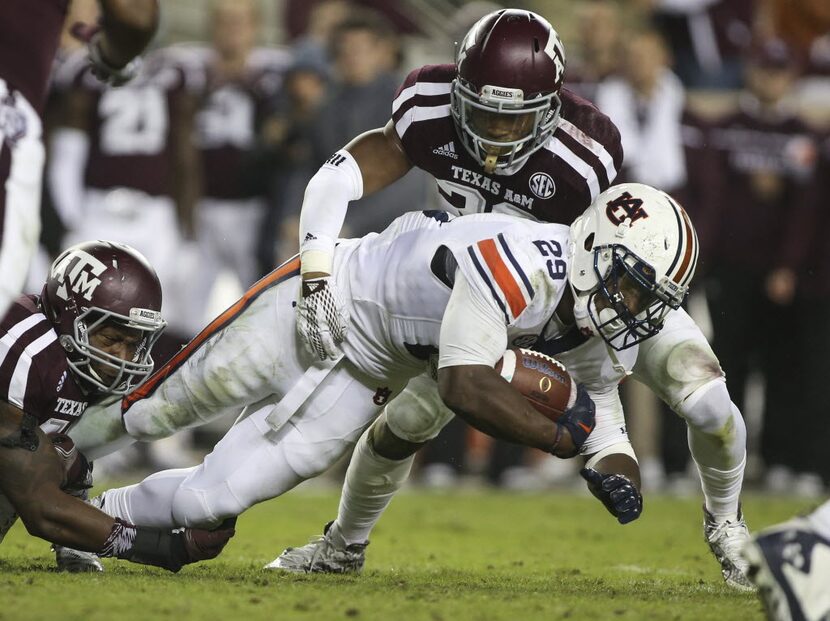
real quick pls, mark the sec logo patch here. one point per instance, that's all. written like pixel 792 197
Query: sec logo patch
pixel 542 185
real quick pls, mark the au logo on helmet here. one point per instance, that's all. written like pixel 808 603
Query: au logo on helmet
pixel 82 277
pixel 625 207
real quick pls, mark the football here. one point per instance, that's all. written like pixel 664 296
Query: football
pixel 544 381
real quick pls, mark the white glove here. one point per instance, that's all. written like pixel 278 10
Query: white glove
pixel 322 318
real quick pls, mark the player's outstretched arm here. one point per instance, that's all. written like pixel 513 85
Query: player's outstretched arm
pixel 127 26
pixel 31 476
pixel 368 163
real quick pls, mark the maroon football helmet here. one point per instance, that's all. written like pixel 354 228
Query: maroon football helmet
pixel 505 99
pixel 100 282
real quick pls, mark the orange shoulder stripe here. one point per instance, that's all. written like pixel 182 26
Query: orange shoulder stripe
pixel 504 279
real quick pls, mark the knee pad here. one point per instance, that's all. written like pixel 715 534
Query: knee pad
pixel 710 410
pixel 418 414
pixel 681 369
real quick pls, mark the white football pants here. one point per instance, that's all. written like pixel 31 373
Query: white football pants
pixel 250 357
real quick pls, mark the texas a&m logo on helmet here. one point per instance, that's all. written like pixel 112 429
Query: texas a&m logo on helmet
pixel 96 283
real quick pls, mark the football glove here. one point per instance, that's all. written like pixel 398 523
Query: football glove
pixel 77 470
pixel 616 492
pixel 579 420
pixel 322 318
pixel 101 69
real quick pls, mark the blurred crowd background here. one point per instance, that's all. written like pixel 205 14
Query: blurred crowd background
pixel 202 161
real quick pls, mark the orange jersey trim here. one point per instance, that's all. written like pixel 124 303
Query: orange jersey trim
pixel 285 271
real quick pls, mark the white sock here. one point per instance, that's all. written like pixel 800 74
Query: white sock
pixel 820 520
pixel 371 482
pixel 717 441
pixel 722 490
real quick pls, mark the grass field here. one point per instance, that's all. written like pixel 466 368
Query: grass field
pixel 437 557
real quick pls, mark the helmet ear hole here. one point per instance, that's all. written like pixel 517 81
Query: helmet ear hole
pixel 589 242
pixel 536 46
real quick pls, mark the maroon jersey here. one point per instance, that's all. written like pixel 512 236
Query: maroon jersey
pixel 29 35
pixel 131 127
pixel 556 184
pixel 765 207
pixel 229 118
pixel 34 373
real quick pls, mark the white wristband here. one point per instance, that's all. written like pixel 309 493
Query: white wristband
pixel 316 261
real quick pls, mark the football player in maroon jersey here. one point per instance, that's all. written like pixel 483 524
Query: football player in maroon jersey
pixel 499 133
pixel 88 335
pixel 29 35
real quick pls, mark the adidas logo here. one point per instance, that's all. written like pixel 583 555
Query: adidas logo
pixel 447 150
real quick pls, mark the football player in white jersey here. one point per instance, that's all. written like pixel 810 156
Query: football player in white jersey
pixel 520 133
pixel 461 288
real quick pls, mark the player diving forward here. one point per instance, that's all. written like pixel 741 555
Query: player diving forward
pixel 430 285
pixel 87 336
pixel 530 149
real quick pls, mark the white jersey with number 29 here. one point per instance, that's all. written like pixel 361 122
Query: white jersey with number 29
pixel 398 283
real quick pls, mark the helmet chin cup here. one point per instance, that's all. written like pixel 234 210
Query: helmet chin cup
pixel 609 322
pixel 582 314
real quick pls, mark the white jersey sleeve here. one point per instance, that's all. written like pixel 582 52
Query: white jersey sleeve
pixel 510 286
pixel 472 330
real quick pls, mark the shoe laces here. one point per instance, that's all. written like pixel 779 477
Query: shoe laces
pixel 730 536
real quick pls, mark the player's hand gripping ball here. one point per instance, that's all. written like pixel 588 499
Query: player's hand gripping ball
pixel 543 380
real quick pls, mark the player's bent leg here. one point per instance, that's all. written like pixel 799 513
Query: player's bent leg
pixel 680 366
pixel 717 443
pixel 379 467
pixel 247 354
pixel 251 464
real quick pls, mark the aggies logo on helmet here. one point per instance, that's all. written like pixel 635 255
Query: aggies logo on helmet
pixel 82 278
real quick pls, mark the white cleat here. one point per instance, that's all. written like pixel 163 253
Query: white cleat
pixel 790 564
pixel 328 554
pixel 726 540
pixel 75 561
